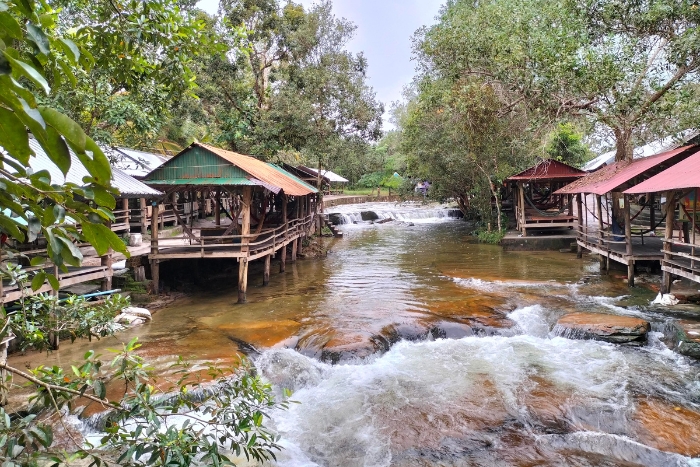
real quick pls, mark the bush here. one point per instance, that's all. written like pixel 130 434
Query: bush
pixel 494 237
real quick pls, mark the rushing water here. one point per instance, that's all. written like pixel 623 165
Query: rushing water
pixel 411 345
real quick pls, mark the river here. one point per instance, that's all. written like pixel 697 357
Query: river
pixel 412 345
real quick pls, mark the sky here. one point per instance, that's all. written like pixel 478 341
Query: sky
pixel 384 31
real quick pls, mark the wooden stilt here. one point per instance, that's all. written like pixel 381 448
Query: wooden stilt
pixel 521 192
pixel 106 261
pixel 266 272
pixel 628 241
pixel 247 201
pixel 668 236
pixel 300 246
pixel 283 259
pixel 127 217
pixel 217 209
pixel 155 266
pixel 603 260
pixel 144 215
pixel 294 251
pixel 579 209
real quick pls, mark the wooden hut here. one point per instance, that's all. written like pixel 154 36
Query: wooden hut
pixel 680 185
pixel 265 209
pixel 537 205
pixel 616 239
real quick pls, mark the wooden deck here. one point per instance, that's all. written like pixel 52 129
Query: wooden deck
pixel 252 246
pixel 644 248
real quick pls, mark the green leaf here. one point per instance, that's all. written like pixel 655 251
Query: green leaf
pixel 68 73
pixel 65 126
pixel 100 168
pixel 37 261
pixel 53 281
pixel 38 280
pixel 70 49
pixel 103 198
pixel 100 390
pixel 13 136
pixel 70 253
pixel 39 38
pixel 27 70
pixel 10 25
pixel 91 232
pixel 11 228
pixel 57 150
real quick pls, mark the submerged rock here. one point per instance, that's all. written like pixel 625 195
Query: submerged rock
pixel 369 216
pixel 602 327
pixel 686 338
pixel 335 218
pixel 133 316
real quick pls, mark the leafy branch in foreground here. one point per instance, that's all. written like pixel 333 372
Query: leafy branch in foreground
pixel 185 422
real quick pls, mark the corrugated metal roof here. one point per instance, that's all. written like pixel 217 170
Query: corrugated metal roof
pixel 127 185
pixel 685 174
pixel 549 170
pixel 262 171
pixel 137 163
pixel 207 181
pixel 289 174
pixel 655 147
pixel 614 177
pixel 330 176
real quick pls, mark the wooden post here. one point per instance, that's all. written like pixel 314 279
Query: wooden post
pixel 266 272
pixel 579 209
pixel 144 215
pixel 283 259
pixel 521 191
pixel 300 245
pixel 652 214
pixel 628 241
pixel 217 210
pixel 668 237
pixel 155 272
pixel 106 261
pixel 245 231
pixel 599 207
pixel 127 215
pixel 294 250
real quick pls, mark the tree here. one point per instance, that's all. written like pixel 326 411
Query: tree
pixel 628 66
pixel 566 145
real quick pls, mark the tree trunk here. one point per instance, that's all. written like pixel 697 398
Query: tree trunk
pixel 624 152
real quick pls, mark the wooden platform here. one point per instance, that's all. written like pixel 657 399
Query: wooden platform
pixel 11 293
pixel 643 248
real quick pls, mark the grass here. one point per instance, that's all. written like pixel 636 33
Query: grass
pixel 494 237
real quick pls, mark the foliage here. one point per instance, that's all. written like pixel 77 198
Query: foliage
pixel 566 145
pixel 189 422
pixel 30 50
pixel 631 68
pixel 493 237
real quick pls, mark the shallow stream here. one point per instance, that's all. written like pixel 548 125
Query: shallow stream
pixel 412 345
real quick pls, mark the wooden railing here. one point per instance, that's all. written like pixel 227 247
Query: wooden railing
pixel 687 261
pixel 252 245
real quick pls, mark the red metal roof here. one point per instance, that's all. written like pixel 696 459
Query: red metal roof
pixel 262 171
pixel 549 170
pixel 685 174
pixel 614 177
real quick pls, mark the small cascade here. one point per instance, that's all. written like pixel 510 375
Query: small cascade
pixel 387 212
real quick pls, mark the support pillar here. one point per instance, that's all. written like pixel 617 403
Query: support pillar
pixel 246 202
pixel 144 215
pixel 107 261
pixel 579 235
pixel 521 192
pixel 155 271
pixel 217 209
pixel 283 259
pixel 266 272
pixel 599 207
pixel 294 250
pixel 127 215
pixel 628 242
pixel 668 237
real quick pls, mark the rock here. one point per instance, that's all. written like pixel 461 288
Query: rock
pixel 136 311
pixel 384 221
pixel 598 326
pixel 369 216
pixel 335 218
pixel 135 239
pixel 665 299
pixel 129 320
pixel 686 338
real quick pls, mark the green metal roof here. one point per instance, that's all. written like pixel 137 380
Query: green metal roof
pixel 204 181
pixel 292 176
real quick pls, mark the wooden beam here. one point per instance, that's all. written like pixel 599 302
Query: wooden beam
pixel 144 215
pixel 266 272
pixel 579 209
pixel 521 192
pixel 245 231
pixel 628 241
pixel 668 235
pixel 155 271
pixel 217 210
pixel 127 215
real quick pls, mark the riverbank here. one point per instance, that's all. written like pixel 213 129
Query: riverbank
pixel 410 341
